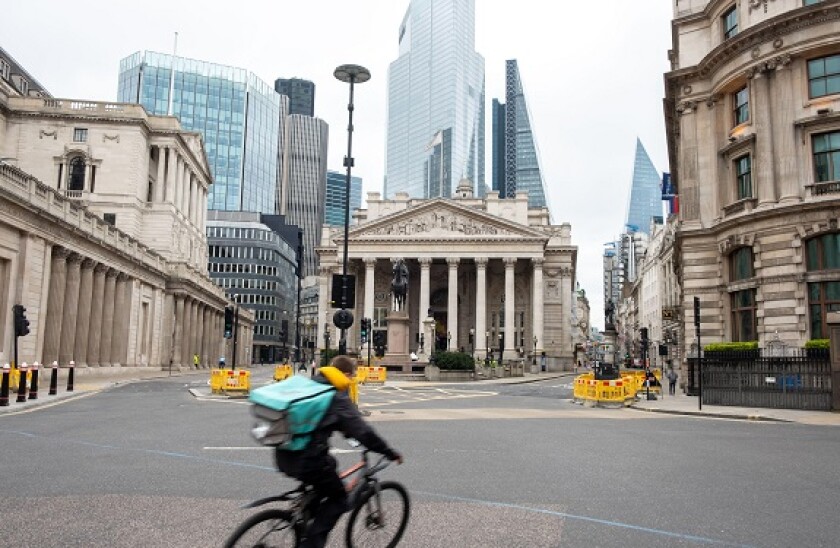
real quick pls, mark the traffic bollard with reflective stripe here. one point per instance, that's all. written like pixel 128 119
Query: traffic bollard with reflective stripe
pixel 21 397
pixel 4 387
pixel 54 379
pixel 70 376
pixel 33 384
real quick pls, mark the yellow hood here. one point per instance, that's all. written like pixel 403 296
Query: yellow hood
pixel 335 376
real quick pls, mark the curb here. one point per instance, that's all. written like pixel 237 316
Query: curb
pixel 754 418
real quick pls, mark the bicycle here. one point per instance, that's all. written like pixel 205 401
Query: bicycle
pixel 376 508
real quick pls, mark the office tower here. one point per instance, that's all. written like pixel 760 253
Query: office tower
pixel 435 102
pixel 304 180
pixel 516 161
pixel 237 114
pixel 336 195
pixel 301 94
pixel 645 194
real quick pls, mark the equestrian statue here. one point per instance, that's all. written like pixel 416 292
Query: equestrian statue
pixel 399 285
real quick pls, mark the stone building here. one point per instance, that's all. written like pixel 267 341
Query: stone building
pixel 753 122
pixel 102 237
pixel 491 274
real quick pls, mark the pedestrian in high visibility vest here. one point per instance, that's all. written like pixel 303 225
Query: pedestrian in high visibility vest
pixel 196 361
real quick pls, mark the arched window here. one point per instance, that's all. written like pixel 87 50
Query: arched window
pixel 76 174
pixel 742 302
pixel 823 255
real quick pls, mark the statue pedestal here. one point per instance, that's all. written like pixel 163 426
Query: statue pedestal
pixel 398 330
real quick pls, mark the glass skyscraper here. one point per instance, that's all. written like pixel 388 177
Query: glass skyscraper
pixel 645 193
pixel 435 102
pixel 336 194
pixel 301 94
pixel 516 160
pixel 238 115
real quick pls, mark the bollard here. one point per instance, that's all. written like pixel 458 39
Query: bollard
pixel 70 376
pixel 4 387
pixel 33 384
pixel 21 397
pixel 54 379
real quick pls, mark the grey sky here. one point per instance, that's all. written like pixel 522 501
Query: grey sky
pixel 592 72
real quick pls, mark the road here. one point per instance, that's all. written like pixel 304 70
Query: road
pixel 150 464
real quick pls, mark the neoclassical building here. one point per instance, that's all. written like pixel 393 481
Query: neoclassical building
pixel 102 215
pixel 495 275
pixel 753 121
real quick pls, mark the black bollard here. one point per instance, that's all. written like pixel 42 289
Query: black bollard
pixel 54 379
pixel 33 384
pixel 4 387
pixel 21 397
pixel 70 376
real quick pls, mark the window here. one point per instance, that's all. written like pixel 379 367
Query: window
pixel 743 316
pixel 826 157
pixel 80 135
pixel 822 253
pixel 4 69
pixel 110 218
pixel 743 176
pixel 76 174
pixel 741 99
pixel 824 76
pixel 741 264
pixel 730 23
pixel 812 2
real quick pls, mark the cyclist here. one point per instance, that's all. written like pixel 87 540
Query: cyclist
pixel 316 467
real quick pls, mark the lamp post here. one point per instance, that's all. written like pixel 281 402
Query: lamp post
pixel 352 74
pixel 472 342
pixel 487 347
pixel 534 355
pixel 448 341
pixel 326 343
pixel 297 301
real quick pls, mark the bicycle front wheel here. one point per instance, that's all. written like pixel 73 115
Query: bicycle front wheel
pixel 268 528
pixel 379 520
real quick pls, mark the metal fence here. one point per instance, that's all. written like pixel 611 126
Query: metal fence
pixel 799 380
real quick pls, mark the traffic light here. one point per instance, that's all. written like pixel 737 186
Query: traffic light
pixel 228 322
pixel 644 332
pixel 21 323
pixel 365 327
pixel 284 331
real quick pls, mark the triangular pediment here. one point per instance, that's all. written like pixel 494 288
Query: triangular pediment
pixel 443 219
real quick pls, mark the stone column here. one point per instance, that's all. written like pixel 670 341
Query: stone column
pixel 423 313
pixel 764 181
pixel 510 306
pixel 481 306
pixel 537 299
pixel 83 318
pixel 160 182
pixel 324 307
pixel 107 318
pixel 55 305
pixel 186 339
pixel 196 330
pixel 370 285
pixel 787 170
pixel 177 343
pixel 95 329
pixel 71 309
pixel 121 315
pixel 177 180
pixel 452 304
pixel 170 174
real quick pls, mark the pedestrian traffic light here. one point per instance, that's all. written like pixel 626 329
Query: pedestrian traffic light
pixel 21 323
pixel 228 322
pixel 644 332
pixel 365 327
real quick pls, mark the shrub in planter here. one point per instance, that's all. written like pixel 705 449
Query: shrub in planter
pixel 731 346
pixel 821 344
pixel 454 361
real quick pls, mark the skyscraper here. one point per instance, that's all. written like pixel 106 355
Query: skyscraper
pixel 336 195
pixel 516 161
pixel 301 94
pixel 645 194
pixel 237 114
pixel 435 102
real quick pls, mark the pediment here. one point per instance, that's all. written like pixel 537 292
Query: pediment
pixel 443 219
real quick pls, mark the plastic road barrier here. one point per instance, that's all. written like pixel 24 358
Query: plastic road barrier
pixel 14 378
pixel 223 381
pixel 376 374
pixel 282 372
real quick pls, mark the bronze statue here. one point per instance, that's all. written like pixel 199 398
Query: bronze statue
pixel 609 313
pixel 399 285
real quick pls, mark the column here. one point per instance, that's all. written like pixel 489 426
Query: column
pixel 538 307
pixel 55 305
pixel 83 318
pixel 170 175
pixel 764 182
pixel 179 330
pixel 370 285
pixel 95 330
pixel 186 355
pixel 452 304
pixel 160 183
pixel 196 329
pixel 122 309
pixel 71 308
pixel 184 184
pixel 510 306
pixel 107 318
pixel 423 313
pixel 481 306
pixel 787 172
pixel 177 179
pixel 323 306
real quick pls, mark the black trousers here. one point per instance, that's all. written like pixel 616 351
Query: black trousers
pixel 672 387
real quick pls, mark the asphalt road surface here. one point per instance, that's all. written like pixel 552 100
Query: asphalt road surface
pixel 150 464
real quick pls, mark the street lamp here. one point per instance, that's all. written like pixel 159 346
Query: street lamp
pixel 534 355
pixel 472 342
pixel 448 340
pixel 326 343
pixel 352 74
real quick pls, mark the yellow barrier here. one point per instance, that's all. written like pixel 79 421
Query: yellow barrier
pixel 282 372
pixel 616 392
pixel 376 374
pixel 361 374
pixel 14 378
pixel 225 380
pixel 353 391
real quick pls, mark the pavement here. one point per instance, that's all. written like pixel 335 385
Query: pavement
pixel 88 381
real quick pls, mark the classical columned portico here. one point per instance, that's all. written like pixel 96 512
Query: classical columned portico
pixel 480 302
pixel 452 304
pixel 510 307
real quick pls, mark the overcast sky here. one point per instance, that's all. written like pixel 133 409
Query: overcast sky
pixel 592 73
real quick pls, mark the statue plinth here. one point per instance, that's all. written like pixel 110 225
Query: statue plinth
pixel 398 330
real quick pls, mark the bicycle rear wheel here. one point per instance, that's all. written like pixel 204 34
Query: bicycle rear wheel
pixel 272 528
pixel 379 521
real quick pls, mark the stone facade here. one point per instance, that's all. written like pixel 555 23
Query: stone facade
pixel 742 119
pixel 513 271
pixel 102 237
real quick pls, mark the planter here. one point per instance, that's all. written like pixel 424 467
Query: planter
pixel 458 375
pixel 432 373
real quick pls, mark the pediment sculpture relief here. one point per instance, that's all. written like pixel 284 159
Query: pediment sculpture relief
pixel 435 222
